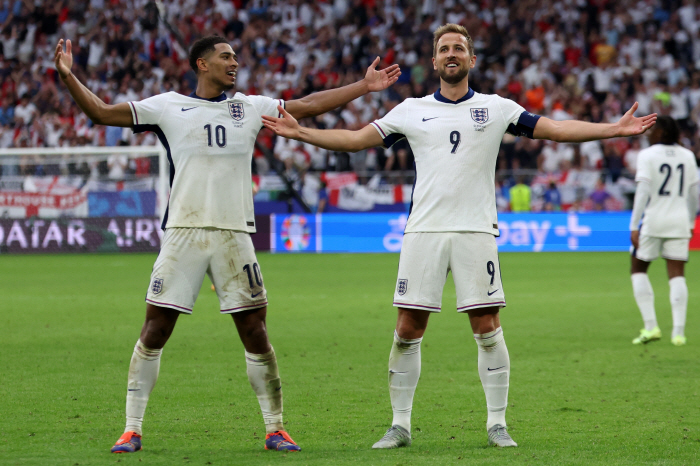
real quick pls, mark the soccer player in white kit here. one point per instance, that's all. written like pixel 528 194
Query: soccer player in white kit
pixel 666 203
pixel 209 140
pixel 455 135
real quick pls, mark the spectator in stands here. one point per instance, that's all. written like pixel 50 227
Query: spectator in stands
pixel 25 110
pixel 599 196
pixel 322 199
pixel 552 198
pixel 520 196
pixel 568 58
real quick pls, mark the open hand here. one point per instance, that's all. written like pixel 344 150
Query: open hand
pixel 287 126
pixel 63 60
pixel 378 80
pixel 629 125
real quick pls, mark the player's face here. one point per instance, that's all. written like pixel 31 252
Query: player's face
pixel 221 66
pixel 452 59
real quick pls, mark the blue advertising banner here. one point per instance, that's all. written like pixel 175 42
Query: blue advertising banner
pixel 122 204
pixel 377 232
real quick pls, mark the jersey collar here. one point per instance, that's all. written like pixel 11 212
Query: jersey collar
pixel 440 98
pixel 220 98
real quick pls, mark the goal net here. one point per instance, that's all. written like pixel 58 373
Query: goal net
pixel 82 199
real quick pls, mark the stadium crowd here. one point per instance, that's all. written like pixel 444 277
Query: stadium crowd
pixel 588 60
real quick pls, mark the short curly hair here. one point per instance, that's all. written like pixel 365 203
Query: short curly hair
pixel 202 47
pixel 451 27
pixel 670 133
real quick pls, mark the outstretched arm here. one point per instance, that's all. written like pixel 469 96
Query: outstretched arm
pixel 98 111
pixel 321 102
pixel 581 131
pixel 332 139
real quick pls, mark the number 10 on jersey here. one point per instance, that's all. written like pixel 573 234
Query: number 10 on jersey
pixel 220 135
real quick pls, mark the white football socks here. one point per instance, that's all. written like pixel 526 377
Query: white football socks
pixel 494 371
pixel 644 295
pixel 404 372
pixel 143 373
pixel 679 304
pixel 264 377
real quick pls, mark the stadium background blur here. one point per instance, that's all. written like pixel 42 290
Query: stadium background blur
pixel 587 396
pixel 588 60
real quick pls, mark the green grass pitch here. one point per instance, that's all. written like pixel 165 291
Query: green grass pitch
pixel 580 392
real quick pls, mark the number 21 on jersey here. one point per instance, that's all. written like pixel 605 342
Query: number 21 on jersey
pixel 666 169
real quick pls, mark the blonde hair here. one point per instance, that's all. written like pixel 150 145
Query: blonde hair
pixel 448 28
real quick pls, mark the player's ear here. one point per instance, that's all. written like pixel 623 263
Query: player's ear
pixel 472 63
pixel 434 64
pixel 202 64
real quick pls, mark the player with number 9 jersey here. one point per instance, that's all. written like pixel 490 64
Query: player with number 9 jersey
pixel 455 135
pixel 455 146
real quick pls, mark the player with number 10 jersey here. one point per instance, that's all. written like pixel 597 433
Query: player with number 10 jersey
pixel 209 139
pixel 209 144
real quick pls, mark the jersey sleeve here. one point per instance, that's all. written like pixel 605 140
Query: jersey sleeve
pixel 266 106
pixel 643 167
pixel 391 126
pixel 148 112
pixel 520 122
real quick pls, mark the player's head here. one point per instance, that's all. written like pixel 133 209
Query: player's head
pixel 453 53
pixel 665 131
pixel 213 57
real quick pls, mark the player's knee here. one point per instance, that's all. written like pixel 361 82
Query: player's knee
pixel 155 333
pixel 254 338
pixel 155 339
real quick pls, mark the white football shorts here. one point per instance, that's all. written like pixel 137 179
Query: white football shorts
pixel 227 256
pixel 670 248
pixel 426 259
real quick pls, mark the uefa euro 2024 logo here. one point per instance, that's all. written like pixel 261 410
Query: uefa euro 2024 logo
pixel 296 233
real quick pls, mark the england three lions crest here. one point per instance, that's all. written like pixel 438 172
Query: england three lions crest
pixel 402 286
pixel 157 286
pixel 480 115
pixel 235 109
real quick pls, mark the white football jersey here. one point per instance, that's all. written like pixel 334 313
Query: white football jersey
pixel 455 145
pixel 670 171
pixel 210 148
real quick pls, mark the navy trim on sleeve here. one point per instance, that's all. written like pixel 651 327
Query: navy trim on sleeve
pixel 526 125
pixel 392 139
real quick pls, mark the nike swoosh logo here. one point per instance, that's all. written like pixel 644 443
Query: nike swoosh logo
pixel 133 389
pixel 496 368
pixel 255 295
pixel 278 389
pixel 183 109
pixel 396 372
pixel 491 292
pixel 427 119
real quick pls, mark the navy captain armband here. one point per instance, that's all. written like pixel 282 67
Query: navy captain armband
pixel 525 126
pixel 391 139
